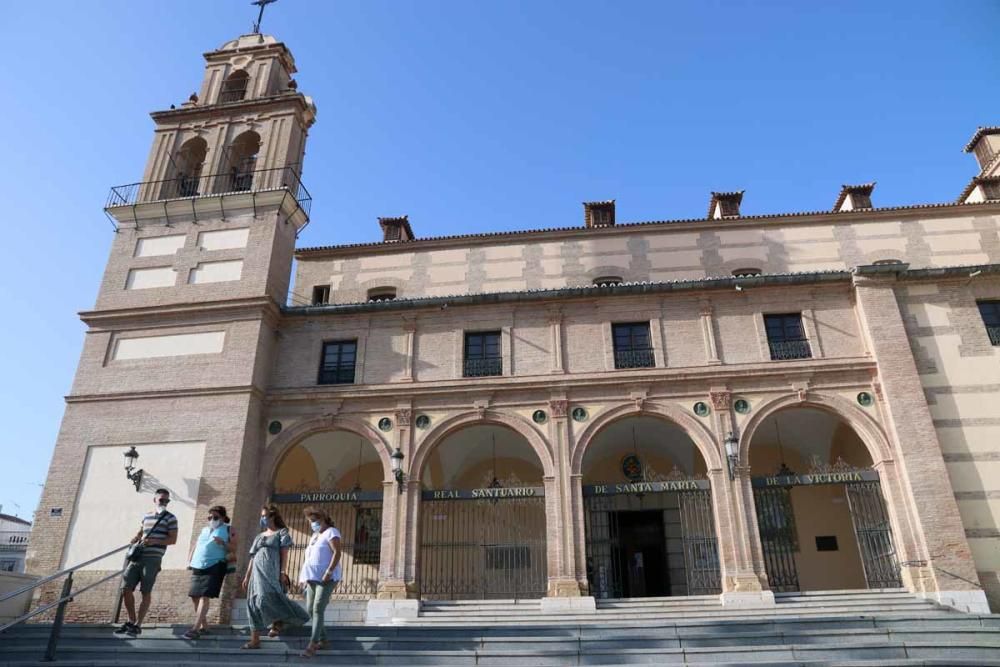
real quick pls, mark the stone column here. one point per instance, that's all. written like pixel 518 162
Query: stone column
pixel 940 564
pixel 741 564
pixel 394 598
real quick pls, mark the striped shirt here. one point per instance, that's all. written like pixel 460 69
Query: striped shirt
pixel 167 525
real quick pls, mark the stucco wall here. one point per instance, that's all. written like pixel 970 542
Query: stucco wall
pixel 960 374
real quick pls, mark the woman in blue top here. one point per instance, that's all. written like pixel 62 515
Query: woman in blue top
pixel 208 567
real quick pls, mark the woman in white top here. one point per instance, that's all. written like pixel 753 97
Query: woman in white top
pixel 320 573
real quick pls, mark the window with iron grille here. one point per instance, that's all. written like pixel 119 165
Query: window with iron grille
pixel 990 312
pixel 785 336
pixel 483 355
pixel 321 295
pixel 337 364
pixel 633 345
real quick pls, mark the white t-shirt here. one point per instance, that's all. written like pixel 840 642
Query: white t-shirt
pixel 318 557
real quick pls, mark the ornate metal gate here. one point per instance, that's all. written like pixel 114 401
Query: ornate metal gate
pixel 358 517
pixel 483 544
pixel 686 507
pixel 871 526
pixel 779 539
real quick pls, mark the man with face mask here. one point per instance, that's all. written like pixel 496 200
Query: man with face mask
pixel 157 531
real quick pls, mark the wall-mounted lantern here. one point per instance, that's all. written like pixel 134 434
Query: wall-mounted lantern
pixel 133 475
pixel 397 467
pixel 732 454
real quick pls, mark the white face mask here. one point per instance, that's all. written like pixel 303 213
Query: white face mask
pixel 214 523
pixel 160 509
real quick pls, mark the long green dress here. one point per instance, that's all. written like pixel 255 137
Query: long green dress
pixel 266 601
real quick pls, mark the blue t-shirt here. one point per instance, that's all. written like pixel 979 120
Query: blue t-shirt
pixel 208 552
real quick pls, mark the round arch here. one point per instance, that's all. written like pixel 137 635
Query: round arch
pixel 699 434
pixel 289 438
pixel 866 427
pixel 439 433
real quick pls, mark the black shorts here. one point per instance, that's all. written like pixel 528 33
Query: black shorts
pixel 207 583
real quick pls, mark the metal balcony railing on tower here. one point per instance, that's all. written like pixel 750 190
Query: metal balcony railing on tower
pixel 185 186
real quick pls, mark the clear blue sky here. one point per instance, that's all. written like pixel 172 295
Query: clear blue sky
pixel 473 116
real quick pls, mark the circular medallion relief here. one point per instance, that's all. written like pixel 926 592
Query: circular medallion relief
pixel 423 421
pixel 580 414
pixel 539 417
pixel 274 428
pixel 865 399
pixel 385 424
pixel 701 409
pixel 741 406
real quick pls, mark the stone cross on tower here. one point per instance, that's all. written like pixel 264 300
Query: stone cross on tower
pixel 260 15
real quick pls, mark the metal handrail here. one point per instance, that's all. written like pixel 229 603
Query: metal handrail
pixel 234 181
pixel 60 573
pixel 65 597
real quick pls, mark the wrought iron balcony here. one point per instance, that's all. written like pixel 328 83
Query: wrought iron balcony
pixel 635 358
pixel 789 349
pixel 14 540
pixel 474 368
pixel 196 192
pixel 994 333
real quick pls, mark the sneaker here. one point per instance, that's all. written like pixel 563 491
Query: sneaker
pixel 124 630
pixel 133 630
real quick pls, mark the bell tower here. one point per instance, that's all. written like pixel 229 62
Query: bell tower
pixel 229 158
pixel 178 348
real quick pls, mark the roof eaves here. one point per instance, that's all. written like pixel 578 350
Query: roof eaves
pixel 980 133
pixel 525 232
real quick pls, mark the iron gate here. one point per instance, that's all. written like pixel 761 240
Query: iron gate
pixel 874 534
pixel 688 519
pixel 360 525
pixel 778 537
pixel 869 517
pixel 483 544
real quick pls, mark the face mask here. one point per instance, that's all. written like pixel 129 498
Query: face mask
pixel 214 523
pixel 263 522
pixel 316 526
pixel 161 508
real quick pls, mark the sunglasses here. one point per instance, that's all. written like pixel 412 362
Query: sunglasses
pixel 213 517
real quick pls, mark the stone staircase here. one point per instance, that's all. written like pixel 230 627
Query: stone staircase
pixel 831 628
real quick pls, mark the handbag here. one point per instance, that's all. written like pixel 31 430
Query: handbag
pixel 134 552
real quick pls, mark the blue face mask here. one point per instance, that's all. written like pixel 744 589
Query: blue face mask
pixel 316 526
pixel 263 522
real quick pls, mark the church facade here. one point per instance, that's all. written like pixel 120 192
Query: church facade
pixel 732 406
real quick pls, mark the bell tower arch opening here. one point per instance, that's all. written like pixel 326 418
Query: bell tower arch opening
pixel 234 88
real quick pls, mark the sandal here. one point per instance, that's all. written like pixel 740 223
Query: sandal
pixel 251 645
pixel 191 634
pixel 310 651
pixel 275 630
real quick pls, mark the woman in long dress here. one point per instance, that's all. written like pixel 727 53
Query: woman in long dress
pixel 267 603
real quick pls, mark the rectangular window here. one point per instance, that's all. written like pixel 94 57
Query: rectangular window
pixel 483 356
pixel 337 364
pixel 786 338
pixel 7 565
pixel 321 295
pixel 990 312
pixel 633 346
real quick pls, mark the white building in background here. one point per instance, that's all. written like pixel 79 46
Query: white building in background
pixel 14 534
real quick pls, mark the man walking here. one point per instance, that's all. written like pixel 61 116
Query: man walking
pixel 157 532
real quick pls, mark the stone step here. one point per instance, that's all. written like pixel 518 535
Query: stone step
pixel 649 639
pixel 793 653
